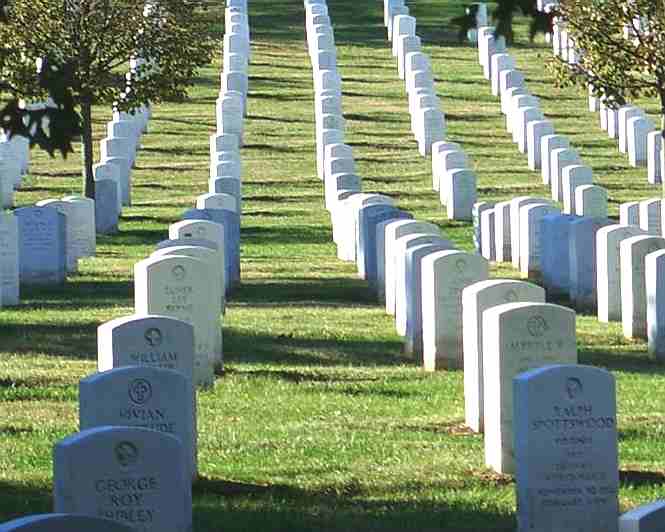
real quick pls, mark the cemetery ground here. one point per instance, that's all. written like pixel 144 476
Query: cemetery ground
pixel 318 421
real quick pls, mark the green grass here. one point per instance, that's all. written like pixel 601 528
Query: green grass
pixel 319 421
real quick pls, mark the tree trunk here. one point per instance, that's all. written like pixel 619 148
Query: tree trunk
pixel 86 140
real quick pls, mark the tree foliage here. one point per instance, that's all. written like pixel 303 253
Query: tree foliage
pixel 78 51
pixel 622 48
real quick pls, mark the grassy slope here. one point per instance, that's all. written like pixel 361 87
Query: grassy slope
pixel 319 421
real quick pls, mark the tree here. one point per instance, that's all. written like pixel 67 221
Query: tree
pixel 622 50
pixel 84 46
pixel 51 127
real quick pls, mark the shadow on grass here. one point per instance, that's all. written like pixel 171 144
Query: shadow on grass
pixel 346 505
pixel 624 361
pixel 636 479
pixel 22 499
pixel 330 291
pixel 275 148
pixel 249 347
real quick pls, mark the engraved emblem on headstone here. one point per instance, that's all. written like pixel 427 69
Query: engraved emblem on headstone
pixel 154 337
pixel 537 326
pixel 140 391
pixel 574 388
pixel 460 265
pixel 126 454
pixel 510 297
pixel 200 232
pixel 179 273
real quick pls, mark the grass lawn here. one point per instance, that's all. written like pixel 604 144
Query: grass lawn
pixel 319 421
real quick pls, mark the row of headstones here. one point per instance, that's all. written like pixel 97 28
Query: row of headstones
pixel 571 181
pixel 41 244
pixel 355 216
pixel 637 135
pixel 113 174
pixel 428 122
pixel 231 105
pixel 133 460
pixel 568 266
pixel 595 263
pixel 531 433
pixel 451 175
pixel 190 275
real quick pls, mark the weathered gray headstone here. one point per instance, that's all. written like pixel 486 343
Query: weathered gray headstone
pixel 394 231
pixel 369 217
pixel 582 261
pixel 9 260
pixel 559 159
pixel 502 231
pixel 645 518
pixel 566 454
pixel 149 397
pixel 629 213
pixel 655 290
pixel 413 344
pixel 574 175
pixel 63 523
pixel 41 237
pixel 535 131
pixel 132 475
pixel 530 238
pixel 107 213
pixel 651 215
pixel 549 143
pixel 655 159
pixel 591 201
pixel 638 128
pixel 515 205
pixel 478 208
pixel 555 253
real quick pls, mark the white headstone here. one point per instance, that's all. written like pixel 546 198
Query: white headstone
pixel 574 175
pixel 518 337
pixel 559 159
pixel 608 268
pixel 444 275
pixel 155 341
pixel 178 286
pixel 591 200
pixel 549 143
pixel 476 299
pixel 633 251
